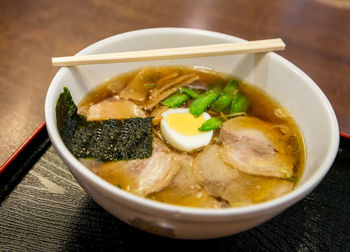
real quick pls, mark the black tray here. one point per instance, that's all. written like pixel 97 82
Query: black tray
pixel 43 209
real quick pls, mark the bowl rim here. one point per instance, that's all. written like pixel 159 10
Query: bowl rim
pixel 123 197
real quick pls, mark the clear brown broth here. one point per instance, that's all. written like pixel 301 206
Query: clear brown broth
pixel 262 106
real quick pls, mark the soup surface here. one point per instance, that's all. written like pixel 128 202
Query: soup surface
pixel 217 142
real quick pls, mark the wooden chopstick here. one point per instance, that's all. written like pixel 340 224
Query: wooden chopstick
pixel 174 53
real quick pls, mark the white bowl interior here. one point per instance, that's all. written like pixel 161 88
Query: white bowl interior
pixel 270 72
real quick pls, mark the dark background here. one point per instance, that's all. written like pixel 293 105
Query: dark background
pixel 42 208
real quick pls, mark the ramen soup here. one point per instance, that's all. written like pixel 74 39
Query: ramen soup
pixel 188 136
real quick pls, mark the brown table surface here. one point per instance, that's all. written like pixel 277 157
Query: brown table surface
pixel 317 36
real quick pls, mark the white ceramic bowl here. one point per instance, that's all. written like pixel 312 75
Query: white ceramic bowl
pixel 270 72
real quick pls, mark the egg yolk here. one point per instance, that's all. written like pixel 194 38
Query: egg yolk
pixel 184 123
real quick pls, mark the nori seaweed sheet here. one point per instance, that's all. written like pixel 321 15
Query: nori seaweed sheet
pixel 106 140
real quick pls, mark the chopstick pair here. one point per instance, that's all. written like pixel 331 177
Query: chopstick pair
pixel 174 53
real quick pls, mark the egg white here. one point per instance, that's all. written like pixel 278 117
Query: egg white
pixel 183 142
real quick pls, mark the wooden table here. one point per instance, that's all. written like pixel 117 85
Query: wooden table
pixel 317 36
pixel 31 32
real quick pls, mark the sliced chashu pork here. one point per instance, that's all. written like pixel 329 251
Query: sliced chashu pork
pixel 114 108
pixel 143 176
pixel 232 185
pixel 185 190
pixel 255 147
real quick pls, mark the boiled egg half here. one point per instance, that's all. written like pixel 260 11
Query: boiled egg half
pixel 180 129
